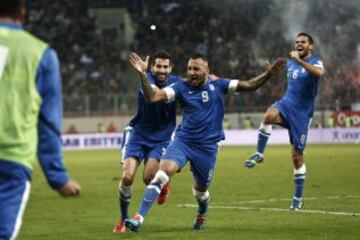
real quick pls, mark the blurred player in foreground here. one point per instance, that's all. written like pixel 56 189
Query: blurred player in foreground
pixel 196 138
pixel 30 117
pixel 148 133
pixel 294 111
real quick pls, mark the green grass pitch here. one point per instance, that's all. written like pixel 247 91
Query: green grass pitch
pixel 246 204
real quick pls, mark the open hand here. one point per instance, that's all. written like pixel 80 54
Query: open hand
pixel 138 64
pixel 276 66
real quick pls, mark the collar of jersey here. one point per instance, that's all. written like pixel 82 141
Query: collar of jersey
pixel 200 87
pixel 11 25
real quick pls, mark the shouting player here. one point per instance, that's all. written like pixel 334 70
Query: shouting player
pixel 294 111
pixel 196 138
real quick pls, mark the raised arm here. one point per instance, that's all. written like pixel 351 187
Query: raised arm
pixel 313 70
pixel 151 94
pixel 256 82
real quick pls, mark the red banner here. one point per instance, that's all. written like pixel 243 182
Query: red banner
pixel 340 118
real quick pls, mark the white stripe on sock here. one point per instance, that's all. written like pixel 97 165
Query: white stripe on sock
pixel 157 189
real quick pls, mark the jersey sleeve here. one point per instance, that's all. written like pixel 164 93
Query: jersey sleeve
pixel 227 86
pixel 48 82
pixel 317 62
pixel 172 91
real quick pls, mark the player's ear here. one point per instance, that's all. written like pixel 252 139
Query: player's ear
pixel 206 67
pixel 311 46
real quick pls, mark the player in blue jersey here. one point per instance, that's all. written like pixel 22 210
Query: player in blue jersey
pixel 30 117
pixel 196 138
pixel 148 133
pixel 294 111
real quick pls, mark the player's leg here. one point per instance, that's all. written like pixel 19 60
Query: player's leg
pixel 14 193
pixel 167 169
pixel 272 116
pixel 202 166
pixel 299 179
pixel 298 134
pixel 202 197
pixel 130 166
pixel 173 160
pixel 151 167
pixel 132 154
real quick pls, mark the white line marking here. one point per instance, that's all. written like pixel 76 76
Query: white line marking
pixel 273 210
pixel 289 199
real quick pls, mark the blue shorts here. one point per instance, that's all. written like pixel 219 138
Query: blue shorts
pixel 296 122
pixel 202 158
pixel 140 150
pixel 14 193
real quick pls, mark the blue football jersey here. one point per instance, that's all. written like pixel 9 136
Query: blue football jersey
pixel 302 86
pixel 203 109
pixel 155 122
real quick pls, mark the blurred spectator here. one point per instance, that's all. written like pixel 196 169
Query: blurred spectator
pixel 348 122
pixel 331 122
pixel 226 124
pixel 101 128
pixel 72 129
pixel 111 128
pixel 236 36
pixel 248 124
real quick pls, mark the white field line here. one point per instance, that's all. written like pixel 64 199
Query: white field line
pixel 217 206
pixel 289 199
pixel 273 210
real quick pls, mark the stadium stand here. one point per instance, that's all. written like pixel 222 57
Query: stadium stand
pixel 96 76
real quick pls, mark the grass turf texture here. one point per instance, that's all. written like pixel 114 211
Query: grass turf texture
pixel 333 171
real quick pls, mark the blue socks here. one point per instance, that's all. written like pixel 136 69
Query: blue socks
pixel 124 200
pixel 264 134
pixel 152 191
pixel 299 180
pixel 203 199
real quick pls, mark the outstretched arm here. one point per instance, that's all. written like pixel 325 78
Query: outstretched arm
pixel 313 70
pixel 151 94
pixel 256 82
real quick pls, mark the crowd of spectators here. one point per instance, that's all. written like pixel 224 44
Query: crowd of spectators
pixel 91 61
pixel 236 36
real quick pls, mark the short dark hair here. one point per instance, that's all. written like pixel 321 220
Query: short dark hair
pixel 198 55
pixel 311 40
pixel 11 7
pixel 162 54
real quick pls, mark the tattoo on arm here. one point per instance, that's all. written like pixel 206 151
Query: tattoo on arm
pixel 151 94
pixel 253 83
pixel 146 87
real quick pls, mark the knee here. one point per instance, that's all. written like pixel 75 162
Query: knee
pixel 127 178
